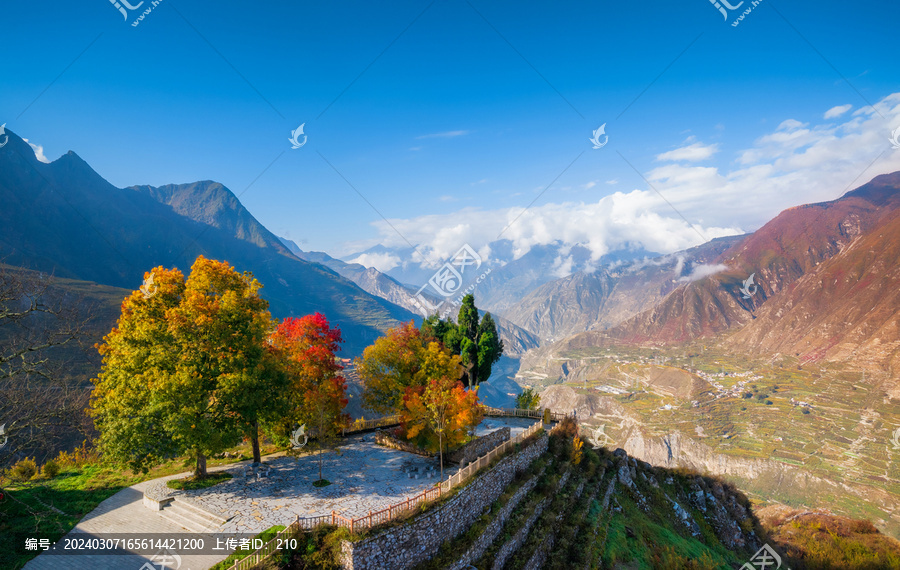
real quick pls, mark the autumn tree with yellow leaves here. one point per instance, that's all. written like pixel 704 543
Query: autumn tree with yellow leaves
pixel 186 370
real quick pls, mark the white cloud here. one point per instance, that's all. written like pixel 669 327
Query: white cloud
pixel 608 224
pixel 702 270
pixel 448 198
pixel 691 153
pixel 589 185
pixel 679 267
pixel 383 262
pixel 38 152
pixel 837 111
pixel 444 135
pixel 796 163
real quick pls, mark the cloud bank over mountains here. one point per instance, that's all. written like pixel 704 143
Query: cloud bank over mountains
pixel 795 163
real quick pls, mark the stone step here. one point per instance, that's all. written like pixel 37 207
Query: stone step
pixel 191 517
pixel 213 517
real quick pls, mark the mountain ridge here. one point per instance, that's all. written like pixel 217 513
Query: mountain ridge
pixel 64 218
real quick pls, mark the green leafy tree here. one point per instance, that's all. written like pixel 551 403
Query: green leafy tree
pixel 441 408
pixel 476 342
pixel 528 400
pixel 490 348
pixel 184 369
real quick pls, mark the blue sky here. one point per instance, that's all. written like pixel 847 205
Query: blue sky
pixel 451 117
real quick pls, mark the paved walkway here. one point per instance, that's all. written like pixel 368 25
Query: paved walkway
pixel 124 512
pixel 364 477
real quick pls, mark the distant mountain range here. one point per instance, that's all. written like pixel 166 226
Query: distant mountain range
pixel 814 267
pixel 64 218
pixel 511 277
pixel 516 340
pixel 825 287
pixel 585 301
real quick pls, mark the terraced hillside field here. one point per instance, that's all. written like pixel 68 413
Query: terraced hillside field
pixel 801 434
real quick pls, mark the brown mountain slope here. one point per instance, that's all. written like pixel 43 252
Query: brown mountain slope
pixel 847 307
pixel 564 306
pixel 824 273
pixel 600 300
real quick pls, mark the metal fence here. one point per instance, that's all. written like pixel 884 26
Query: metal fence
pixel 467 471
pixel 362 425
pixel 518 413
pixel 388 421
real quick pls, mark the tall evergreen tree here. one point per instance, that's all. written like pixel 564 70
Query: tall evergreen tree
pixel 476 342
pixel 490 347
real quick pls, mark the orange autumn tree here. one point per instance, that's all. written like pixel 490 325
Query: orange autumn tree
pixel 440 414
pixel 317 394
pixel 393 363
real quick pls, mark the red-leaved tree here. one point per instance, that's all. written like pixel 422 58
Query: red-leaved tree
pixel 317 392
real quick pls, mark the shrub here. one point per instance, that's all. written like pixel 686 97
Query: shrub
pixel 576 450
pixel 51 469
pixel 79 456
pixel 24 470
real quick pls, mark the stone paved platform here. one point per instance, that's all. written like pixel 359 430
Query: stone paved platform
pixel 364 477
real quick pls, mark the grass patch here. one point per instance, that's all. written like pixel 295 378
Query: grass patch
pixel 51 507
pixel 321 483
pixel 192 483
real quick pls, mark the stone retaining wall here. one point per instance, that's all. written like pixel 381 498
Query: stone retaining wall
pixel 489 534
pixel 388 439
pixel 536 562
pixel 416 541
pixel 513 544
pixel 478 447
